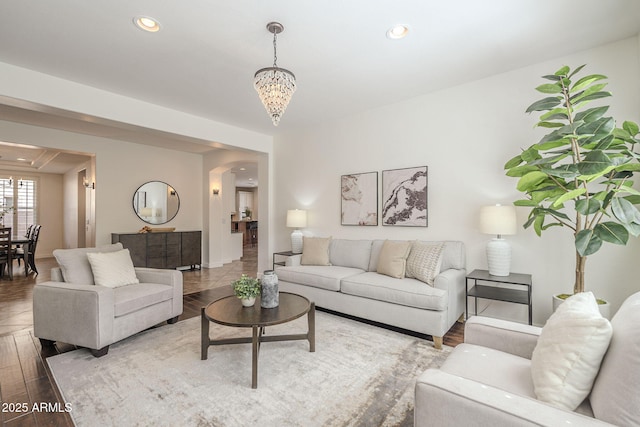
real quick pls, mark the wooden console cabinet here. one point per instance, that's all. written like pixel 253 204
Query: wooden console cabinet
pixel 163 250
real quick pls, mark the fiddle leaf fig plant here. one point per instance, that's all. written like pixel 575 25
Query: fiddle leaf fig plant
pixel 579 175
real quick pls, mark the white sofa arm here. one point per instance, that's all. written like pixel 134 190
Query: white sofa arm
pixel 509 337
pixel 442 399
pixel 79 314
pixel 453 281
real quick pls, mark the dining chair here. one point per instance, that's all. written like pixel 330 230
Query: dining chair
pixel 6 252
pixel 28 252
pixel 26 235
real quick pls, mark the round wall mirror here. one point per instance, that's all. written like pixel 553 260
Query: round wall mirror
pixel 156 202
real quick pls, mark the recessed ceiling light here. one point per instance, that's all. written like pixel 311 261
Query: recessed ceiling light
pixel 147 24
pixel 398 32
pixel 21 159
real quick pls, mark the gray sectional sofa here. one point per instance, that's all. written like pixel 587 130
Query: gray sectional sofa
pixel 352 285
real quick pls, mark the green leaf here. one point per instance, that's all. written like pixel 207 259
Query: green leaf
pixel 612 232
pixel 599 128
pixel 547 193
pixel 560 112
pixel 633 199
pixel 594 162
pixel 588 206
pixel 562 71
pixel 631 127
pixel 525 203
pixel 544 104
pixel 564 171
pixel 577 70
pixel 587 242
pixel 591 114
pixel 530 181
pixel 624 210
pixel 634 229
pixel 549 125
pixel 586 81
pixel 568 196
pixel 633 167
pixel 519 171
pixel 515 161
pixel 604 143
pixel 549 145
pixel 590 97
pixel 537 224
pixel 549 160
pixel 530 154
pixel 549 88
pixel 552 77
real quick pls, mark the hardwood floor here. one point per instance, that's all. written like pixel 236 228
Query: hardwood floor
pixel 28 395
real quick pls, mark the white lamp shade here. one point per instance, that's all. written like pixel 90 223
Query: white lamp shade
pixel 296 218
pixel 498 220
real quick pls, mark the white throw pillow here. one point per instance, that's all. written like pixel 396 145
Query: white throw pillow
pixel 112 269
pixel 569 351
pixel 393 258
pixel 424 261
pixel 315 251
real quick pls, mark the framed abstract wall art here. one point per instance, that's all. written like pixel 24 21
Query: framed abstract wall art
pixel 359 194
pixel 404 197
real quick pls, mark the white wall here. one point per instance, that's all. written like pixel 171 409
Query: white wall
pixel 217 212
pixel 464 135
pixel 121 167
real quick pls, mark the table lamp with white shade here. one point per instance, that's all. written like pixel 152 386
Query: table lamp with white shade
pixel 296 218
pixel 499 220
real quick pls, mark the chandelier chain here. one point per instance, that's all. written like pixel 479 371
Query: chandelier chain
pixel 275 50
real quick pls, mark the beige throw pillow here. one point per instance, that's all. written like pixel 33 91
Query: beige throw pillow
pixel 315 251
pixel 393 258
pixel 424 261
pixel 112 269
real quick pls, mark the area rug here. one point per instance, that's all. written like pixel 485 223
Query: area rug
pixel 359 375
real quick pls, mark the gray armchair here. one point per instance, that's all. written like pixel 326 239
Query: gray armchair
pixel 72 309
pixel 487 380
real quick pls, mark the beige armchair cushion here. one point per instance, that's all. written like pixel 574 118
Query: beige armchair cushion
pixel 75 264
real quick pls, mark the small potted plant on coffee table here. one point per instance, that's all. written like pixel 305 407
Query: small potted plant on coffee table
pixel 247 289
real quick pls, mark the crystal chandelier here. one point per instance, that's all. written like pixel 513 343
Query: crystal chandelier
pixel 275 85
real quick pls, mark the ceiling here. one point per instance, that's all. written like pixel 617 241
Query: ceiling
pixel 203 59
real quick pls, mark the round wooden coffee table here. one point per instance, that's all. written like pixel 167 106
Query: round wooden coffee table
pixel 229 311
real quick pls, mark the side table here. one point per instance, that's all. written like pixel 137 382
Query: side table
pixel 285 254
pixel 519 295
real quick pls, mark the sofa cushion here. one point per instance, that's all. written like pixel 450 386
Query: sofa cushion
pixel 409 292
pixel 617 387
pixel 496 368
pixel 130 298
pixel 315 251
pixel 423 262
pixel 323 277
pixel 393 258
pixel 569 351
pixel 74 263
pixel 350 253
pixel 112 269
